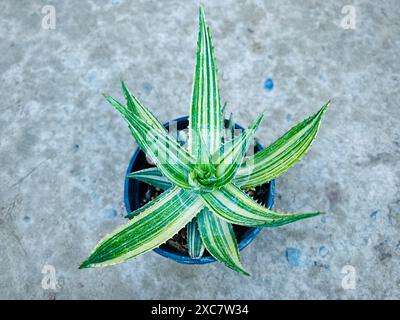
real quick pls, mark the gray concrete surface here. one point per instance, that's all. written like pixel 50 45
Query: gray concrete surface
pixel 64 150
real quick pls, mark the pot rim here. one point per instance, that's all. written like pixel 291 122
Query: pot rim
pixel 247 237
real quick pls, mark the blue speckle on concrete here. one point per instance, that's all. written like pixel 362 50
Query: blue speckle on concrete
pixel 373 214
pixel 92 76
pixel 323 251
pixel 289 117
pixel 268 84
pixel 294 257
pixel 93 79
pixel 147 87
pixel 321 265
pixel 109 213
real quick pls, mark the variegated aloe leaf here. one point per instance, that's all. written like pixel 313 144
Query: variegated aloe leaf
pixel 195 245
pixel 140 110
pixel 231 154
pixel 172 160
pixel 282 154
pixel 205 119
pixel 153 177
pixel 223 110
pixel 231 127
pixel 233 205
pixel 152 225
pixel 229 131
pixel 219 239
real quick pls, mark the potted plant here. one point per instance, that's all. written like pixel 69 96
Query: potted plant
pixel 197 197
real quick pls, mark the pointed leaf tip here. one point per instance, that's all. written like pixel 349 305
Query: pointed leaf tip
pixel 244 272
pixel 205 117
pixel 324 108
pixel 85 264
pixel 234 206
pixel 124 88
pixel 220 240
pixel 282 154
pixel 153 224
pixel 201 11
pixel 258 120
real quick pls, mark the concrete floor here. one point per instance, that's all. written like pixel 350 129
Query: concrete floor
pixel 64 150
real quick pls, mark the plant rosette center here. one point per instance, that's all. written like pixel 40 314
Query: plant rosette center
pixel 202 177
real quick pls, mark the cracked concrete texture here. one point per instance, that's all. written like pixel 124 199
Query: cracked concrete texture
pixel 64 150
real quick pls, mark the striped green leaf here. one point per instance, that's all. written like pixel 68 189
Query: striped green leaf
pixel 282 154
pixel 152 225
pixel 153 177
pixel 232 153
pixel 173 161
pixel 233 205
pixel 229 131
pixel 140 110
pixel 205 120
pixel 223 110
pixel 219 239
pixel 231 127
pixel 195 245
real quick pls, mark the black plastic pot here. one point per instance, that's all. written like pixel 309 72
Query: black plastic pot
pixel 132 192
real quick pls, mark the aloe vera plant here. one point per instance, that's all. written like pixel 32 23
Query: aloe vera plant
pixel 206 178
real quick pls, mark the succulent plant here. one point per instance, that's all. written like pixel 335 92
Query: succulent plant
pixel 205 178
